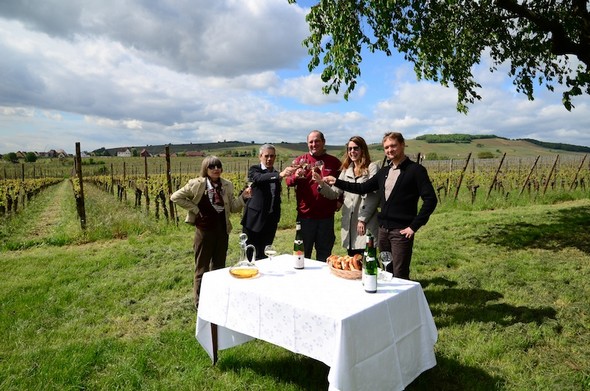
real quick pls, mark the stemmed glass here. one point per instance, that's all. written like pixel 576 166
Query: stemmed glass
pixel 319 164
pixel 386 259
pixel 270 251
pixel 303 164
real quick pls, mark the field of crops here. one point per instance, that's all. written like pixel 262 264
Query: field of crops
pixel 466 183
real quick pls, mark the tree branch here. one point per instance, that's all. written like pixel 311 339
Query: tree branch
pixel 561 43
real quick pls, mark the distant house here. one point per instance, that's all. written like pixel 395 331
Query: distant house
pixel 124 153
pixel 195 154
pixel 60 153
pixel 145 153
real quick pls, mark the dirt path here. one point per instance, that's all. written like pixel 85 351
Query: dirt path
pixel 46 221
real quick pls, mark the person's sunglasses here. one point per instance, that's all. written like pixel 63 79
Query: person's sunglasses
pixel 355 148
pixel 214 166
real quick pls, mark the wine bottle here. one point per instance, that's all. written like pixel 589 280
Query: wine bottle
pixel 298 252
pixel 370 266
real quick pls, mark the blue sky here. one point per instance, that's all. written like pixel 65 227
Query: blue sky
pixel 112 74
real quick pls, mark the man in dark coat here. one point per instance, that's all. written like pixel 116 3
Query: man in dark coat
pixel 263 210
pixel 401 184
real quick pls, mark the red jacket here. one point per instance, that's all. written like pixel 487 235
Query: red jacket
pixel 310 203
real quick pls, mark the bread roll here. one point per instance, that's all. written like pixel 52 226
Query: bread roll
pixel 356 262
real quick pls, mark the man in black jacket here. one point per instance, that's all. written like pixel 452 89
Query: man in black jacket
pixel 402 183
pixel 263 210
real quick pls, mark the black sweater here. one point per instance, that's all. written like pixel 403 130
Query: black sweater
pixel 400 210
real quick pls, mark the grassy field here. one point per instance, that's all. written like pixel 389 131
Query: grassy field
pixel 112 308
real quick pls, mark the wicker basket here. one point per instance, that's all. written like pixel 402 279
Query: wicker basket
pixel 348 274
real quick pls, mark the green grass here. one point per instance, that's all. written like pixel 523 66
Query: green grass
pixel 112 308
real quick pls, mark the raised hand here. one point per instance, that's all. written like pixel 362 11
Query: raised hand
pixel 330 180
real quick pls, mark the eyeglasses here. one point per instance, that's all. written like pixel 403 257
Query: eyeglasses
pixel 355 148
pixel 214 166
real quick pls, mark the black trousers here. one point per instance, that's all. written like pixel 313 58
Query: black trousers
pixel 318 233
pixel 263 238
pixel 401 250
pixel 210 252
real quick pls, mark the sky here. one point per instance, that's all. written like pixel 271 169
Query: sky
pixel 112 74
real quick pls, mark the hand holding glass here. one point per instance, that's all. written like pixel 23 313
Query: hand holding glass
pixel 319 166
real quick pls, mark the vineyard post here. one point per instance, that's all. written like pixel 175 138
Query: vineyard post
pixel 577 172
pixel 124 181
pixel 112 180
pixel 461 177
pixel 550 174
pixel 169 182
pixel 145 188
pixel 80 201
pixel 450 172
pixel 22 172
pixel 496 176
pixel 526 181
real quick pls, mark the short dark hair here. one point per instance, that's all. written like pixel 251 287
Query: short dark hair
pixel 318 132
pixel 395 136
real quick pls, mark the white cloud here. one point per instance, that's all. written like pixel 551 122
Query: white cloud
pixel 111 73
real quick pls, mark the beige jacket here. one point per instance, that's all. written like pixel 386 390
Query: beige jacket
pixel 188 198
pixel 355 208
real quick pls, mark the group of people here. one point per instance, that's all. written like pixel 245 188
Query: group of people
pixel 383 201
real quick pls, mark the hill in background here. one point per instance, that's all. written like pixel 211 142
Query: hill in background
pixel 432 146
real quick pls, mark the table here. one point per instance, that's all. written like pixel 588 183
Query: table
pixel 380 341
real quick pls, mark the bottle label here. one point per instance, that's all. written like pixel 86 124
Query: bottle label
pixel 370 283
pixel 370 274
pixel 299 259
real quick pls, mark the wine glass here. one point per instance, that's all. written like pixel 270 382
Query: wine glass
pixel 304 167
pixel 319 164
pixel 386 259
pixel 270 251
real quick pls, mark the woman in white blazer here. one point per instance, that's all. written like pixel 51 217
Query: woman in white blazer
pixel 359 212
pixel 209 200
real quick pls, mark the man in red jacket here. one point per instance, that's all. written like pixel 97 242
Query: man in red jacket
pixel 315 212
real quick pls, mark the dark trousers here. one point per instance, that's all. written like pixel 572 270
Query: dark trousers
pixel 263 238
pixel 401 251
pixel 210 251
pixel 318 233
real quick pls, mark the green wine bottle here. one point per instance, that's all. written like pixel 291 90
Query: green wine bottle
pixel 370 266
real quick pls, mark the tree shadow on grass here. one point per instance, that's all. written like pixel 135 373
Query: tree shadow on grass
pixel 567 228
pixel 463 305
pixel 450 375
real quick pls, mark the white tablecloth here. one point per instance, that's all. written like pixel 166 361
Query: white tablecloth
pixel 380 341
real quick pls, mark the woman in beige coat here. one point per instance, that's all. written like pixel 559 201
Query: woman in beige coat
pixel 209 200
pixel 359 212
